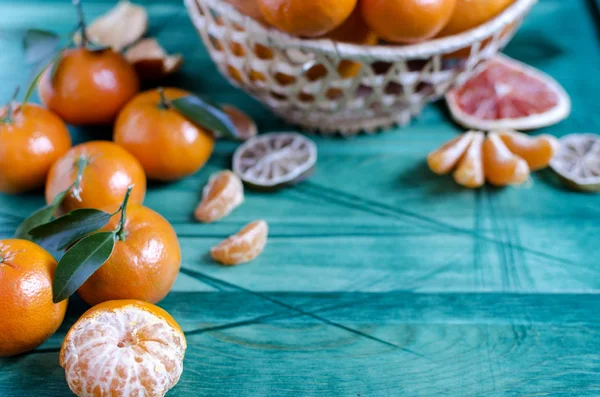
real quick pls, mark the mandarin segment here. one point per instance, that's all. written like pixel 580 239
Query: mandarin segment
pixel 223 193
pixel 443 160
pixel 244 246
pixel 29 316
pixel 123 348
pixel 537 151
pixel 501 167
pixel 469 172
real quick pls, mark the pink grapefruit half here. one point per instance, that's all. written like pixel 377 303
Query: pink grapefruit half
pixel 507 94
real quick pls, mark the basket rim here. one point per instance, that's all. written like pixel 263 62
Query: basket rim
pixel 328 47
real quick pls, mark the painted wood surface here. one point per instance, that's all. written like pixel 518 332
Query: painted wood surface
pixel 379 279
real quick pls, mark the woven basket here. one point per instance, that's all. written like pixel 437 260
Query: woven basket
pixel 299 80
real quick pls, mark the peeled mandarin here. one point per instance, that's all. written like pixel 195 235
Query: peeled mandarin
pixel 501 167
pixel 470 169
pixel 443 160
pixel 537 151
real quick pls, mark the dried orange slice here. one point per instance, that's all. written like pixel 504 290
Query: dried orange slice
pixel 223 193
pixel 577 161
pixel 501 167
pixel 275 160
pixel 244 246
pixel 443 160
pixel 469 172
pixel 508 95
pixel 123 348
pixel 537 151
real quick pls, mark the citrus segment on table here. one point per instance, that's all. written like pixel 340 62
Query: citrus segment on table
pixel 577 161
pixel 443 160
pixel 223 193
pixel 469 172
pixel 508 95
pixel 243 246
pixel 123 348
pixel 29 316
pixel 537 151
pixel 501 167
pixel 275 160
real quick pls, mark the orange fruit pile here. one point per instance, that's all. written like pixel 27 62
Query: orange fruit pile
pixel 29 316
pixel 123 348
pixel 396 21
pixel 501 158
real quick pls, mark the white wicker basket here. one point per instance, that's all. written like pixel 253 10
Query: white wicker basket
pixel 391 86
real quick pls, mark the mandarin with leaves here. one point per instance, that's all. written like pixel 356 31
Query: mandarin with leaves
pixel 407 21
pixel 31 140
pixel 306 18
pixel 96 174
pixel 143 356
pixel 167 144
pixel 144 263
pixel 29 316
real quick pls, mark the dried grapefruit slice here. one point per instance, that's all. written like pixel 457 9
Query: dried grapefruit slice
pixel 123 348
pixel 275 160
pixel 577 161
pixel 508 95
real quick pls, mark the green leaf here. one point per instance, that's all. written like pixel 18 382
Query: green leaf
pixel 80 262
pixel 205 114
pixel 63 231
pixel 39 45
pixel 41 216
pixel 54 62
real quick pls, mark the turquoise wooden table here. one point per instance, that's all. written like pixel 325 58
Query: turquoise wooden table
pixel 379 279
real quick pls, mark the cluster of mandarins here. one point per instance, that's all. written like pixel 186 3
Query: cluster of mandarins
pixel 368 21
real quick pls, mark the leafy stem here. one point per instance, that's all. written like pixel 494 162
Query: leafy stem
pixel 164 102
pixel 82 162
pixel 120 232
pixel 8 118
pixel 81 24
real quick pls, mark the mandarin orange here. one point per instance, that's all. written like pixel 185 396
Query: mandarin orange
pixel 168 145
pixel 31 140
pixel 407 21
pixel 143 264
pixel 306 18
pixel 472 13
pixel 29 316
pixel 108 170
pixel 123 348
pixel 88 87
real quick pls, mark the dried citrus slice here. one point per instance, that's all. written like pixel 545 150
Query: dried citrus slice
pixel 501 167
pixel 577 161
pixel 244 246
pixel 508 95
pixel 275 160
pixel 123 348
pixel 443 160
pixel 537 151
pixel 469 172
pixel 223 193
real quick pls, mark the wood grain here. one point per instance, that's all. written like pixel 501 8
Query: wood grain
pixel 379 278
